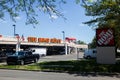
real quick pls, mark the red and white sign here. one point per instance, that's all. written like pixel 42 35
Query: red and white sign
pixel 105 37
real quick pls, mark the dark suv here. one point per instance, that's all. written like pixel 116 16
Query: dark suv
pixel 22 57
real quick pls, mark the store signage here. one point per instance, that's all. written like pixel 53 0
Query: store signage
pixel 105 37
pixel 43 40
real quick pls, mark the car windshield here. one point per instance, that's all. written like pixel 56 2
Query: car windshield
pixel 19 53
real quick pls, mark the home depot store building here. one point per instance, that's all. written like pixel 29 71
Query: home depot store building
pixel 53 45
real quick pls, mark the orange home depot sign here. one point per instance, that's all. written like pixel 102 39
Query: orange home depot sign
pixel 43 40
pixel 105 37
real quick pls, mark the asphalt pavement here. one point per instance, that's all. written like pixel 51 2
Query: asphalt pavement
pixel 62 57
pixel 31 75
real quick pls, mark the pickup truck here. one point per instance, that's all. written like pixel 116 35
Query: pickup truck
pixel 22 57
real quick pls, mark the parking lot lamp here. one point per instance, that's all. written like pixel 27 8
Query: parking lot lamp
pixel 63 36
pixel 14 29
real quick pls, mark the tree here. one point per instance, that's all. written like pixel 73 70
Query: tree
pixel 80 42
pixel 30 8
pixel 93 43
pixel 106 14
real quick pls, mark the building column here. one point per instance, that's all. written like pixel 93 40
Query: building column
pixel 66 50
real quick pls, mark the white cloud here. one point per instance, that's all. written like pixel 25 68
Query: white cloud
pixel 54 17
pixel 3 21
pixel 18 17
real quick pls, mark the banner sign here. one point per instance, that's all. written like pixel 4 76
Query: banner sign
pixel 105 37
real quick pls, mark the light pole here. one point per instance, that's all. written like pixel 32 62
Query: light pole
pixel 63 36
pixel 16 36
pixel 65 44
pixel 14 29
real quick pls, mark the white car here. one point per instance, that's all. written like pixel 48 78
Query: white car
pixel 90 53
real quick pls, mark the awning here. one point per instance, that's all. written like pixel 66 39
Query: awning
pixel 69 38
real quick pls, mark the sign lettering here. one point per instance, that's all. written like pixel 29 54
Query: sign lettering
pixel 105 37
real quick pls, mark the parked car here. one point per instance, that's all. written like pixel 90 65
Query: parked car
pixel 2 56
pixel 90 53
pixel 62 52
pixel 118 53
pixel 22 57
pixel 40 51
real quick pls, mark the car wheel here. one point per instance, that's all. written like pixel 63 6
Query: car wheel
pixel 22 62
pixel 88 57
pixel 8 63
pixel 35 60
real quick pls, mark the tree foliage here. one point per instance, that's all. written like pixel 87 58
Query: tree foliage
pixel 80 42
pixel 31 8
pixel 106 14
pixel 93 43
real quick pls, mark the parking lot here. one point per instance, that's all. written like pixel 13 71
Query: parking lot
pixel 58 57
pixel 62 57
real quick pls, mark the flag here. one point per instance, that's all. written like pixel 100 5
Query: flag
pixel 17 36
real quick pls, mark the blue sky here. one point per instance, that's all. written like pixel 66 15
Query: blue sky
pixel 48 28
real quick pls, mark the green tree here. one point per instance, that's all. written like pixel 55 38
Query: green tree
pixel 80 42
pixel 31 8
pixel 106 14
pixel 93 43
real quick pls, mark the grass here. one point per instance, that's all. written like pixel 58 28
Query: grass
pixel 20 67
pixel 80 66
pixel 69 66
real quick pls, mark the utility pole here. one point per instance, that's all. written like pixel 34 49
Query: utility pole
pixel 63 36
pixel 14 29
pixel 65 44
